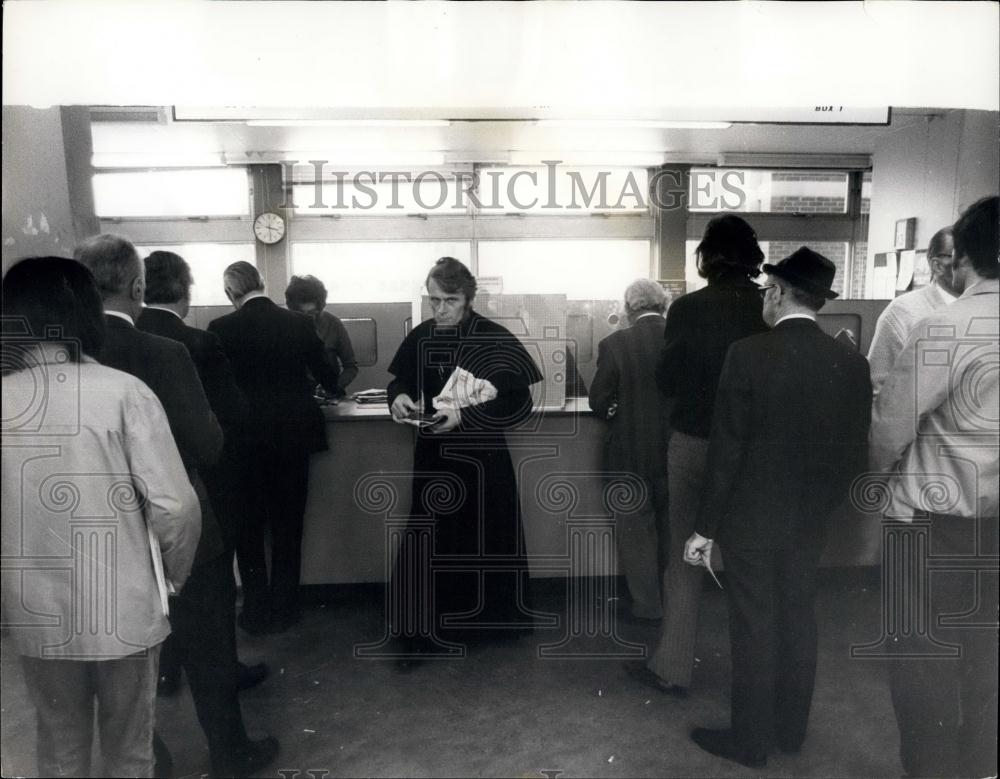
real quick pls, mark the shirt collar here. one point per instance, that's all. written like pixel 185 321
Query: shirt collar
pixel 251 295
pixel 810 317
pixel 946 296
pixel 164 308
pixel 982 287
pixel 121 315
pixel 648 313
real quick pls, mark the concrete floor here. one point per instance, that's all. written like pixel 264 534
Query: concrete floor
pixel 505 711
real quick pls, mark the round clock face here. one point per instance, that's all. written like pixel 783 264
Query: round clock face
pixel 269 227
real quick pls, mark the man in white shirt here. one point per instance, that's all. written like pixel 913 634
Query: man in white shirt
pixel 902 314
pixel 935 429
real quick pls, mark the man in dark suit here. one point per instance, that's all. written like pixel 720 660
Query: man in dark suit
pixel 273 352
pixel 788 437
pixel 624 392
pixel 166 367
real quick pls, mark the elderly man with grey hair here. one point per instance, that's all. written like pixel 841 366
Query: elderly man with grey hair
pixel 625 394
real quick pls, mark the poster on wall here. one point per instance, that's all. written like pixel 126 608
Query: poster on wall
pixel 884 276
pixel 904 275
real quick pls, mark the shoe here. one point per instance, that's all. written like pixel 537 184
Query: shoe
pixel 790 749
pixel 255 626
pixel 722 744
pixel 168 684
pixel 253 757
pixel 637 670
pixel 252 675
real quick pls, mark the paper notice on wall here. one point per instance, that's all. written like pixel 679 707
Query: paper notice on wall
pixel 883 283
pixel 904 275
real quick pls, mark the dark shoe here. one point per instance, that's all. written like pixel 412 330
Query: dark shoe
pixel 790 749
pixel 253 757
pixel 168 685
pixel 255 626
pixel 637 670
pixel 252 675
pixel 722 744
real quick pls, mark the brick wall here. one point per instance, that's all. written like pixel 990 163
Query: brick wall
pixel 807 205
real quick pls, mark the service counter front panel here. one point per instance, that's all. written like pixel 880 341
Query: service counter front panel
pixel 359 493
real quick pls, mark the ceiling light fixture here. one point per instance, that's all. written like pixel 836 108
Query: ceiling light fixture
pixel 347 123
pixel 642 124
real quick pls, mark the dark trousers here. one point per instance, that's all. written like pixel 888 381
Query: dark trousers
pixel 946 707
pixel 63 693
pixel 772 629
pixel 204 643
pixel 277 487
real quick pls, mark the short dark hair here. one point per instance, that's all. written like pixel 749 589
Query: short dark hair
pixel 50 299
pixel 305 289
pixel 976 236
pixel 452 276
pixel 112 259
pixel 729 247
pixel 241 278
pixel 168 277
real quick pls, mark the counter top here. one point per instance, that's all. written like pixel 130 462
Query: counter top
pixel 352 411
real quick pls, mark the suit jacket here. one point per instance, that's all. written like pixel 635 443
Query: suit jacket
pixel 788 437
pixel 273 351
pixel 224 395
pixel 228 404
pixel 700 327
pixel 166 368
pixel 637 433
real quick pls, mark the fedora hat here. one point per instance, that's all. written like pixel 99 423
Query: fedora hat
pixel 807 270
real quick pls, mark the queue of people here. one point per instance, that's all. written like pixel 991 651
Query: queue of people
pixel 746 423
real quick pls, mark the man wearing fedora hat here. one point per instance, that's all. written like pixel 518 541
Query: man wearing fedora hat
pixel 788 436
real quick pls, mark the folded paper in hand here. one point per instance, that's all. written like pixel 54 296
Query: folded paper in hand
pixel 463 389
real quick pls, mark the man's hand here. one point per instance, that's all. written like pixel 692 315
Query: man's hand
pixel 402 407
pixel 446 419
pixel 697 550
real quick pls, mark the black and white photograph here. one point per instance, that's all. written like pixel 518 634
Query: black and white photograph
pixel 500 389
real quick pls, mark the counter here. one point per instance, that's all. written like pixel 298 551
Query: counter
pixel 359 496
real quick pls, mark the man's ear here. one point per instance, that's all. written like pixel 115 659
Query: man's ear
pixel 138 289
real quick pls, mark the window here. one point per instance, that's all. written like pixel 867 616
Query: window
pixel 774 251
pixel 167 193
pixel 560 190
pixel 207 261
pixel 582 270
pixel 373 272
pixel 361 195
pixel 768 191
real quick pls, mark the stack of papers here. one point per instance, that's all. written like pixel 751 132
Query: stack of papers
pixel 371 397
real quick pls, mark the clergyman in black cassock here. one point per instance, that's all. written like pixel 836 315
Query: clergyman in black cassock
pixel 464 484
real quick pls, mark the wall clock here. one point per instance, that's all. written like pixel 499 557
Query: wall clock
pixel 269 227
